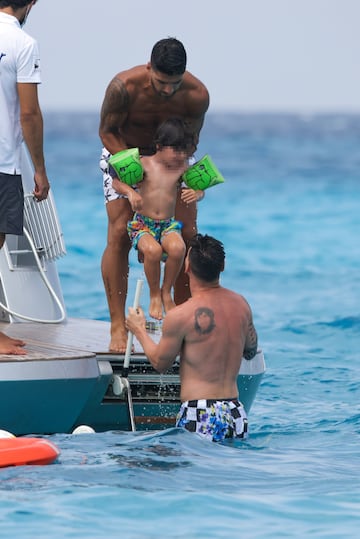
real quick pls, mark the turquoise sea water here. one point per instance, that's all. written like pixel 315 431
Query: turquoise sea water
pixel 289 217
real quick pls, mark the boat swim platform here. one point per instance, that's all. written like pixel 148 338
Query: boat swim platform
pixel 69 378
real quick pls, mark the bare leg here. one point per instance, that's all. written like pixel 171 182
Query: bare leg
pixel 187 214
pixel 175 248
pixel 152 252
pixel 8 345
pixel 115 270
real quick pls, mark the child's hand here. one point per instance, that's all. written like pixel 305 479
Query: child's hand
pixel 190 195
pixel 135 200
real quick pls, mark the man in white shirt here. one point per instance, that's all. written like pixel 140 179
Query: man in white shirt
pixel 21 119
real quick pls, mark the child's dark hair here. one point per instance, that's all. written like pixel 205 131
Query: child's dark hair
pixel 174 133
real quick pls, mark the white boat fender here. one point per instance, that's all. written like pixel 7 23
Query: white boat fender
pixel 83 429
pixel 6 434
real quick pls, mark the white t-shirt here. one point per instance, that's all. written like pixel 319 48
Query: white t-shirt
pixel 19 62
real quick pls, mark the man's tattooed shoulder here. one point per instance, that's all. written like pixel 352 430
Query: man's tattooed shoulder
pixel 204 320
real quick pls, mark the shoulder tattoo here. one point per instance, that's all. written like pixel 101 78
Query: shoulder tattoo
pixel 204 322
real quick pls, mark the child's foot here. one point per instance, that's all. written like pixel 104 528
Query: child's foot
pixel 155 309
pixel 167 301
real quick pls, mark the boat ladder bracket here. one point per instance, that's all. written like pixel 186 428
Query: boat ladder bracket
pixel 120 385
pixel 121 388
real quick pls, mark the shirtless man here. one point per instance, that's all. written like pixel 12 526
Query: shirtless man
pixel 153 229
pixel 21 117
pixel 211 332
pixel 136 102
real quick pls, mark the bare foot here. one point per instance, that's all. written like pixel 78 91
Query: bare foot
pixel 118 342
pixel 11 346
pixel 155 309
pixel 168 302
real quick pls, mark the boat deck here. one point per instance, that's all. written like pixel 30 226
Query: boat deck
pixel 75 338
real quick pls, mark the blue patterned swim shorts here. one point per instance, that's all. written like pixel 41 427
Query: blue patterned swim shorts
pixel 157 228
pixel 214 419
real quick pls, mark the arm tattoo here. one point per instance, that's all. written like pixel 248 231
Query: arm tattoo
pixel 251 349
pixel 115 103
pixel 204 321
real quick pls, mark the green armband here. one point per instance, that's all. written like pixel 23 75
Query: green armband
pixel 202 174
pixel 127 166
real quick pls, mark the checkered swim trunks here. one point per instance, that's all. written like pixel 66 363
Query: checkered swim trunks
pixel 214 419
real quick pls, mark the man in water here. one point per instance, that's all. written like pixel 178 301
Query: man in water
pixel 211 332
pixel 136 102
pixel 21 118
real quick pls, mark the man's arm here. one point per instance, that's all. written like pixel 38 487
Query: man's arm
pixel 200 101
pixel 163 354
pixel 113 115
pixel 32 128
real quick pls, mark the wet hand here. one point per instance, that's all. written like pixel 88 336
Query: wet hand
pixel 135 319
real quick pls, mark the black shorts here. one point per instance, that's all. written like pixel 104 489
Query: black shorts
pixel 11 204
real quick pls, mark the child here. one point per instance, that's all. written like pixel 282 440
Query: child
pixel 154 230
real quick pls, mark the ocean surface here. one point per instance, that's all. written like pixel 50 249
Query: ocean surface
pixel 289 216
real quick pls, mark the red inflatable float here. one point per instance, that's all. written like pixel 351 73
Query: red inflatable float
pixel 21 451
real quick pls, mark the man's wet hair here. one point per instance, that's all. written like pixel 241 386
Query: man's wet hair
pixel 173 133
pixel 206 257
pixel 168 56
